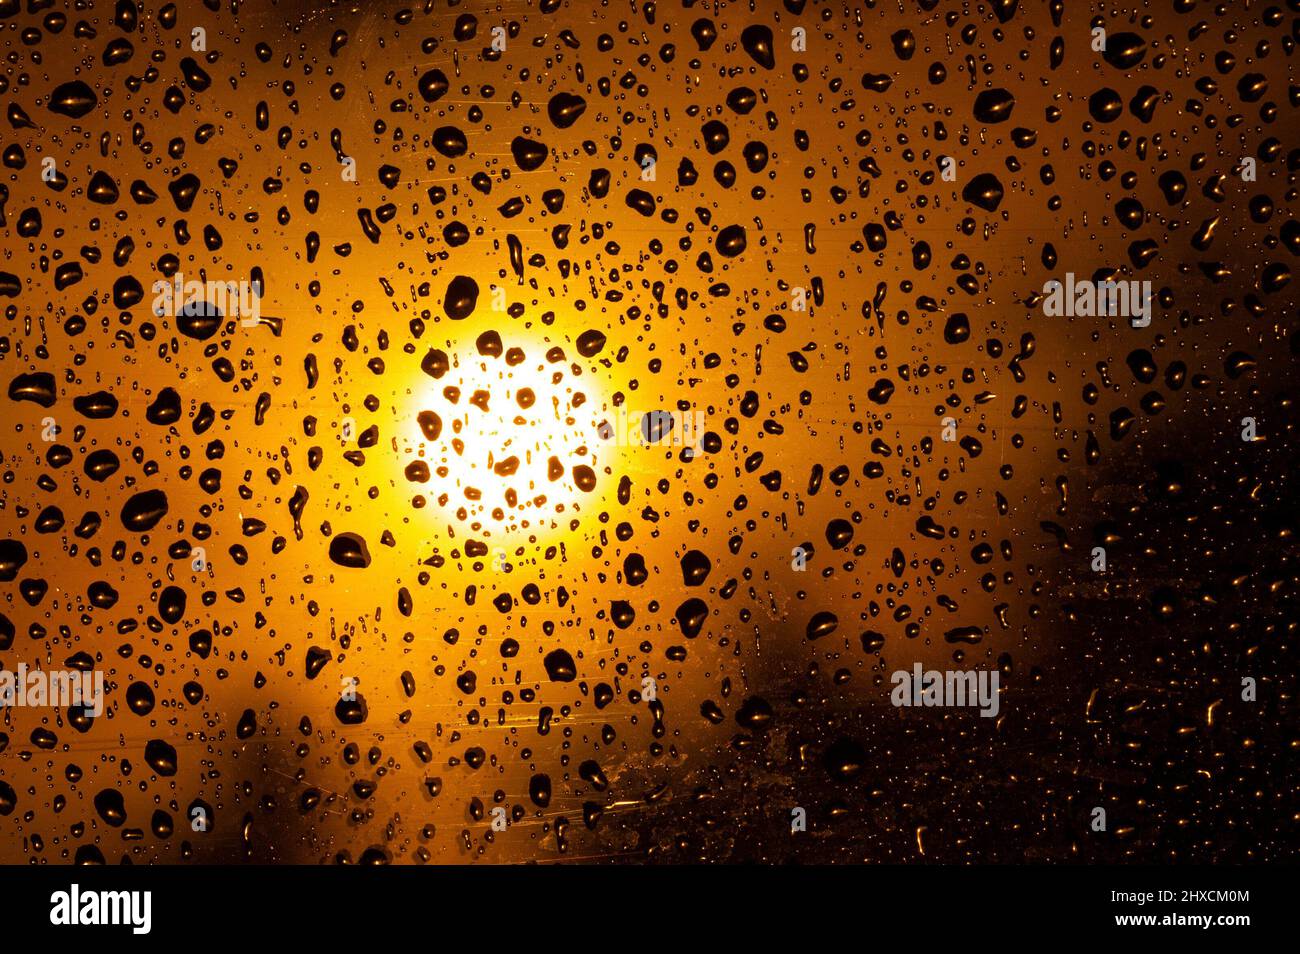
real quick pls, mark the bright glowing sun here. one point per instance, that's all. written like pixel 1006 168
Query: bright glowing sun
pixel 503 438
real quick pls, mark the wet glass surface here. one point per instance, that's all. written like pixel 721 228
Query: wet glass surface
pixel 546 431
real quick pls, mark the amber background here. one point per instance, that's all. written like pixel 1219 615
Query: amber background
pixel 932 785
